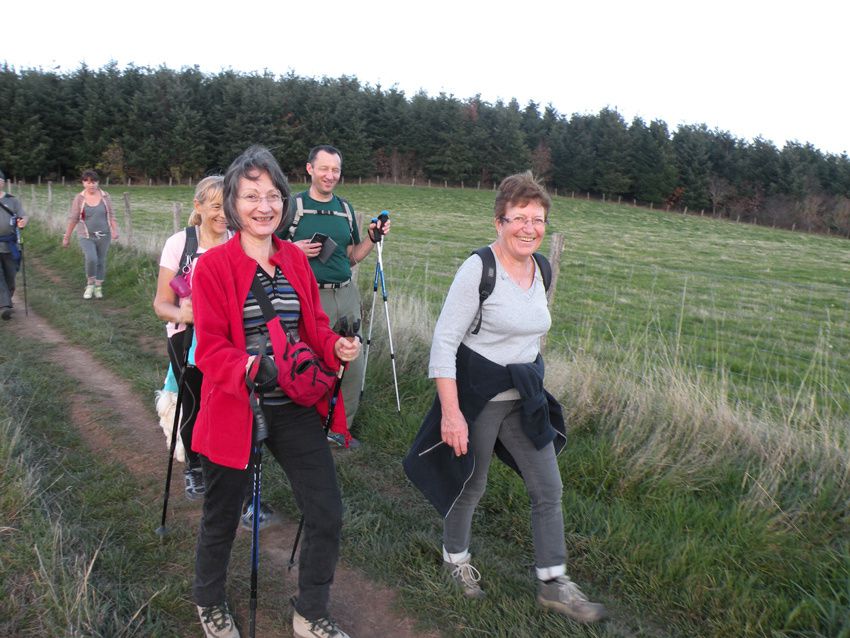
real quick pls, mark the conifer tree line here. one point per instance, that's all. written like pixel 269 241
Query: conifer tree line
pixel 144 123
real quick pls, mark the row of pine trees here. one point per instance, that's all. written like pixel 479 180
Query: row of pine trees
pixel 161 124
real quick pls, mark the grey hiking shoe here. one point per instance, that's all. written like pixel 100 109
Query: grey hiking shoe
pixel 563 595
pixel 465 576
pixel 217 622
pixel 321 628
pixel 194 481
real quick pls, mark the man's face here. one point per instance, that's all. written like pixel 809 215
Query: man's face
pixel 325 173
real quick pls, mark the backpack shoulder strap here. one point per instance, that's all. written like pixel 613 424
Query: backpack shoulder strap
pixel 488 277
pixel 488 280
pixel 190 247
pixel 545 269
pixel 348 215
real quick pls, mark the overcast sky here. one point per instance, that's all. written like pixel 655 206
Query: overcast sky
pixel 774 69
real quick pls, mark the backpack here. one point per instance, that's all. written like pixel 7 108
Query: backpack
pixel 190 249
pixel 488 276
pixel 289 229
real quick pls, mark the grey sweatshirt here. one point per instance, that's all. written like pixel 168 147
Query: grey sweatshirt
pixel 513 320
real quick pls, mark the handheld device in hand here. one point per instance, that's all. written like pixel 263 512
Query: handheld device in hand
pixel 328 246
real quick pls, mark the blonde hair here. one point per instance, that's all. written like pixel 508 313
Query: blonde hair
pixel 209 188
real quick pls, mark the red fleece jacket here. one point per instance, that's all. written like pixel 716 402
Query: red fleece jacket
pixel 220 286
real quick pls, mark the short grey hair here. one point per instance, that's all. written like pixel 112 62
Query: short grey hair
pixel 250 164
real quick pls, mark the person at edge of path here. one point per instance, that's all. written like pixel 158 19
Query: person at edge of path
pixel 210 227
pixel 230 327
pixel 325 212
pixel 490 397
pixel 94 217
pixel 11 218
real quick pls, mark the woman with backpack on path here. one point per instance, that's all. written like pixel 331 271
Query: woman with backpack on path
pixel 173 304
pixel 486 363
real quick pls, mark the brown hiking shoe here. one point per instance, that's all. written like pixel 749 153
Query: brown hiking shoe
pixel 465 576
pixel 563 595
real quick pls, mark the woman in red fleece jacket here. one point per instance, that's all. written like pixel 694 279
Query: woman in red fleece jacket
pixel 231 330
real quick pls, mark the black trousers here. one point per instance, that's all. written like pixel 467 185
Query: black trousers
pixel 297 441
pixel 191 402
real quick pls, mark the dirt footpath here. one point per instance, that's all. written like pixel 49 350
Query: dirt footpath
pixel 362 608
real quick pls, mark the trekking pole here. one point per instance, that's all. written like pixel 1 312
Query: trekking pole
pixel 260 434
pixel 23 267
pixel 181 384
pixel 345 332
pixel 379 276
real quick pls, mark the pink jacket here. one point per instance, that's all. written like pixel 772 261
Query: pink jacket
pixel 220 286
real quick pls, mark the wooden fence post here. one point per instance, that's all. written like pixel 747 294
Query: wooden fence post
pixel 175 214
pixel 556 247
pixel 127 221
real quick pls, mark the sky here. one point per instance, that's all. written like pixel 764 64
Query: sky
pixel 774 69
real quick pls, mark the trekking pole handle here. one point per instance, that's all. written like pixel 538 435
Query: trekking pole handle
pixel 379 221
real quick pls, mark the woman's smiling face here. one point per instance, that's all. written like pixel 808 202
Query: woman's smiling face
pixel 259 205
pixel 521 230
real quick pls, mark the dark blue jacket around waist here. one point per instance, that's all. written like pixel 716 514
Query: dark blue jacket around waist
pixel 433 467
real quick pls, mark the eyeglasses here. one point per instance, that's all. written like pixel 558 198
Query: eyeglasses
pixel 520 222
pixel 272 199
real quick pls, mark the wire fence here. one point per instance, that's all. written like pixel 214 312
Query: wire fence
pixel 767 338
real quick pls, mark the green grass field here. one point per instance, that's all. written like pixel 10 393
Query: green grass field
pixel 763 312
pixel 701 365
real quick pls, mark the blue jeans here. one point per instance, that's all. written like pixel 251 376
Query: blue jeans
pixel 502 420
pixel 297 441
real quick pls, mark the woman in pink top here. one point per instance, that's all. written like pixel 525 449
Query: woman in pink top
pixel 208 225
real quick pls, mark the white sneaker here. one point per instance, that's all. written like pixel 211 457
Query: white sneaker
pixel 98 291
pixel 88 293
pixel 321 628
pixel 217 622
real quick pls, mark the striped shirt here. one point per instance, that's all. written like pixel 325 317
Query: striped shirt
pixel 286 306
